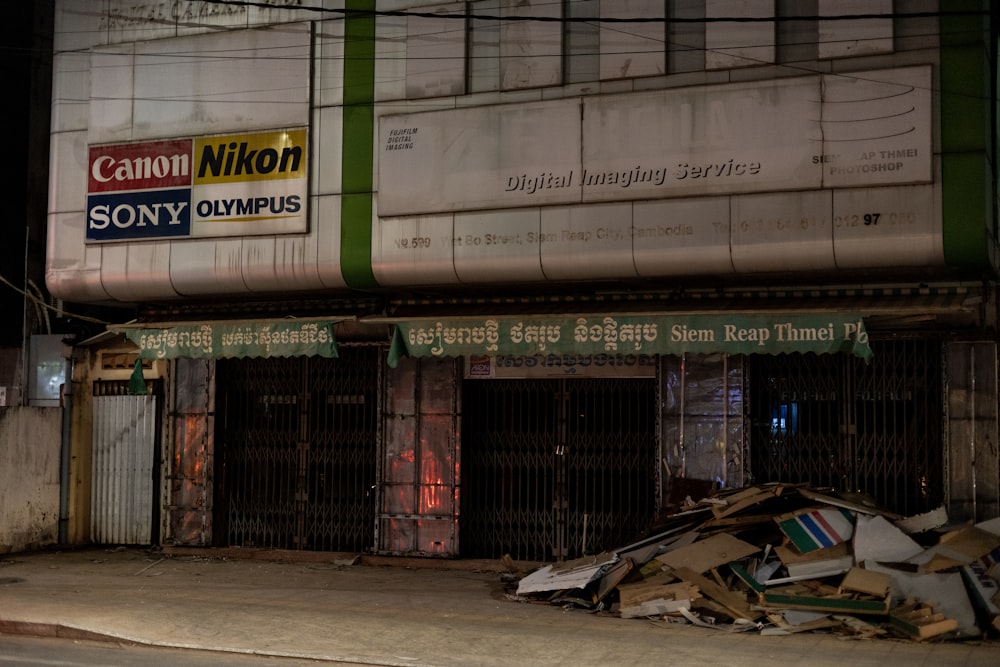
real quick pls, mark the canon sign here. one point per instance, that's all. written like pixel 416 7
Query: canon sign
pixel 106 168
pixel 160 164
pixel 245 184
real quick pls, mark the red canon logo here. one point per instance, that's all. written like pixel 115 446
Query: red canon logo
pixel 140 166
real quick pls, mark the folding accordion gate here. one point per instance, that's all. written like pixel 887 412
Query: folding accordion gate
pixel 554 469
pixel 297 447
pixel 833 421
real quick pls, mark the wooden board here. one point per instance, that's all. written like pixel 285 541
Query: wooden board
pixel 746 498
pixel 848 505
pixel 866 581
pixel 790 556
pixel 613 577
pixel 660 585
pixel 799 597
pixel 711 552
pixel 735 603
pixel 921 621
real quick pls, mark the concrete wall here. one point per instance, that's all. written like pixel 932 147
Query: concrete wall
pixel 29 477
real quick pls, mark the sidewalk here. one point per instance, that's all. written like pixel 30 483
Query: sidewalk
pixel 442 613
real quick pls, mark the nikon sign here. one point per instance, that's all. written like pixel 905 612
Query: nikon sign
pixel 231 185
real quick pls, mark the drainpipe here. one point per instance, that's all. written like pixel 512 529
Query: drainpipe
pixel 64 452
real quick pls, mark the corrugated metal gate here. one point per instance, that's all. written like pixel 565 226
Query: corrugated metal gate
pixel 297 441
pixel 556 469
pixel 834 421
pixel 124 465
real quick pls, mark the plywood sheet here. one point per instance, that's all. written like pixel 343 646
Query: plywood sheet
pixel 708 553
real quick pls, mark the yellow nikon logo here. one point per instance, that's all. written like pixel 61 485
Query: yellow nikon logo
pixel 264 156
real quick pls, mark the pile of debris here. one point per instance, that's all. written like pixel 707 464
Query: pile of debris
pixel 782 558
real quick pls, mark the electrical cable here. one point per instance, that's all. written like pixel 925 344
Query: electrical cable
pixel 47 306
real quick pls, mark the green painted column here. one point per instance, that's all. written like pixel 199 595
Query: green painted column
pixel 358 132
pixel 967 136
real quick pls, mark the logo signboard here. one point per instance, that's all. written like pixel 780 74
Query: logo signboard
pixel 231 185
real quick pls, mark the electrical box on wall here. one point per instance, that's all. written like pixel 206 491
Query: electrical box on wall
pixel 49 361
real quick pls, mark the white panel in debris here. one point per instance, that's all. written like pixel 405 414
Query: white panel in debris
pixel 875 539
pixel 945 592
pixel 576 574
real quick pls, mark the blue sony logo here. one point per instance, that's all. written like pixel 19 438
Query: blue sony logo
pixel 139 215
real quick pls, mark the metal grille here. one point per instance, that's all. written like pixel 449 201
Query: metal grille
pixel 123 469
pixel 834 421
pixel 554 469
pixel 298 439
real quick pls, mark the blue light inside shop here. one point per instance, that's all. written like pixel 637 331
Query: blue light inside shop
pixel 785 419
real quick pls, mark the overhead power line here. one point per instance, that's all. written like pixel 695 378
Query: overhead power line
pixel 601 19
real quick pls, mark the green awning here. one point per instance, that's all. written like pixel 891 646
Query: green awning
pixel 822 333
pixel 252 338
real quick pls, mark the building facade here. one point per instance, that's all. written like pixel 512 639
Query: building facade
pixel 468 279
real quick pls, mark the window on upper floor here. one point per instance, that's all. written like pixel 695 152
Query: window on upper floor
pixel 484 46
pixel 582 35
pixel 495 49
pixel 435 52
pixel 732 44
pixel 685 34
pixel 855 37
pixel 629 50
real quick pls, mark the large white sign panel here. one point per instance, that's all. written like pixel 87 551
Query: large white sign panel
pixel 485 157
pixel 700 141
pixel 796 222
pixel 678 237
pixel 844 130
pixel 802 231
pixel 877 128
pixel 898 226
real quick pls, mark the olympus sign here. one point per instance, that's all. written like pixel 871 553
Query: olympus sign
pixel 233 185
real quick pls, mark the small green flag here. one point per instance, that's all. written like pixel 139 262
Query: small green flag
pixel 136 383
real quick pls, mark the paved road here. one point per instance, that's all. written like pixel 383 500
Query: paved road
pixel 387 615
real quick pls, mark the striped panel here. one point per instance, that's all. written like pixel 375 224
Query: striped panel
pixel 817 528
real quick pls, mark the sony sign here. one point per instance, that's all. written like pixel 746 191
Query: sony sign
pixel 233 185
